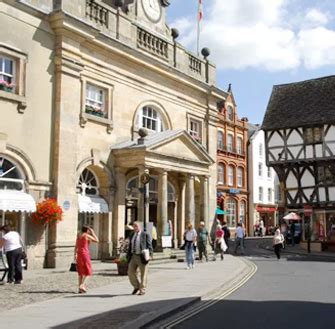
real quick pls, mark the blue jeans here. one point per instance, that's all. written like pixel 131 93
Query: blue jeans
pixel 189 250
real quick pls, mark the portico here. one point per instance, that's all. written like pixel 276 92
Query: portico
pixel 179 170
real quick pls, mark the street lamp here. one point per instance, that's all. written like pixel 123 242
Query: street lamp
pixel 145 179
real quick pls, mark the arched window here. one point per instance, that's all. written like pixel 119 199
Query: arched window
pixel 220 140
pixel 239 177
pixel 242 211
pixel 231 212
pixel 230 113
pixel 239 146
pixel 150 119
pixel 230 175
pixel 10 176
pixel 230 143
pixel 87 184
pixel 220 173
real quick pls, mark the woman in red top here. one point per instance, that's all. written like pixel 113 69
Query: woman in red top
pixel 83 259
pixel 219 244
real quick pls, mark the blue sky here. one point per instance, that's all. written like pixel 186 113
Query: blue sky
pixel 259 43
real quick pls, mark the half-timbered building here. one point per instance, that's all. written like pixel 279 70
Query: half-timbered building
pixel 299 127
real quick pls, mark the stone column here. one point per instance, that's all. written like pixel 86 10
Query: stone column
pixel 119 206
pixel 190 204
pixel 162 209
pixel 175 224
pixel 22 226
pixel 181 209
pixel 204 201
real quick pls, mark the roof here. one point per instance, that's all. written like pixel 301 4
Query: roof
pixel 301 104
pixel 149 140
pixel 252 128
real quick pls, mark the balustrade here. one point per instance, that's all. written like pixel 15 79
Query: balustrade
pixel 152 44
pixel 96 13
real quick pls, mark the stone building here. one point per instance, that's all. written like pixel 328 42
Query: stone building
pixel 263 181
pixel 232 174
pixel 82 78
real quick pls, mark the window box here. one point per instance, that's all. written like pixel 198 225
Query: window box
pixel 91 110
pixel 6 86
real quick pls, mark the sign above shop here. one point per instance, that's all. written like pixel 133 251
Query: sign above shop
pixel 234 191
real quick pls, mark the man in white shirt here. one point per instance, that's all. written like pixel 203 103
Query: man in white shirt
pixel 239 236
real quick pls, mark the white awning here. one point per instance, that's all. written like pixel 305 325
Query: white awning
pixel 92 204
pixel 16 201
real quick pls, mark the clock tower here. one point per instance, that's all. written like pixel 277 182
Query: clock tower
pixel 151 14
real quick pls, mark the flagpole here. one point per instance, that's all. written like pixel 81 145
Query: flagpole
pixel 198 27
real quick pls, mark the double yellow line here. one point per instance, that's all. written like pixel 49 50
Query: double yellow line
pixel 233 286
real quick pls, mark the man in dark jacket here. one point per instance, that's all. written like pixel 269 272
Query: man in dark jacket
pixel 140 246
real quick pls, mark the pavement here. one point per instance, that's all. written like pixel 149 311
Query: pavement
pixel 171 288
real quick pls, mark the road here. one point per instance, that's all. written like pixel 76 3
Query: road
pixel 294 292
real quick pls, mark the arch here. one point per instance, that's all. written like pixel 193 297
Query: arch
pixel 23 162
pixel 157 107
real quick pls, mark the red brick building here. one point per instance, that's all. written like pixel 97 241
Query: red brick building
pixel 232 189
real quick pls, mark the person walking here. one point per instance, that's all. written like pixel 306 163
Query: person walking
pixel 190 238
pixel 82 255
pixel 239 236
pixel 261 227
pixel 278 240
pixel 292 232
pixel 13 247
pixel 139 253
pixel 226 235
pixel 154 237
pixel 219 243
pixel 202 238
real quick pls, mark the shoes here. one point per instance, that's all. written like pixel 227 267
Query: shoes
pixel 192 266
pixel 135 291
pixel 221 257
pixel 82 291
pixel 17 282
pixel 187 267
pixel 142 292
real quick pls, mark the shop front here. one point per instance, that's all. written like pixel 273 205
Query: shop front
pixel 268 215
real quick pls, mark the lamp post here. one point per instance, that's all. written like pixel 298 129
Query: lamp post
pixel 145 179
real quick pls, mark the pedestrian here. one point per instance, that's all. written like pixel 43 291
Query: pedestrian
pixel 82 255
pixel 226 236
pixel 190 238
pixel 278 241
pixel 13 246
pixel 219 243
pixel 239 236
pixel 154 236
pixel 261 227
pixel 139 253
pixel 292 233
pixel 202 238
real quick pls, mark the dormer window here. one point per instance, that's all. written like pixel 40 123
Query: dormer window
pixel 313 135
pixel 230 113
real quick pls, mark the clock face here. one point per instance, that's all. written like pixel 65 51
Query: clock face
pixel 152 9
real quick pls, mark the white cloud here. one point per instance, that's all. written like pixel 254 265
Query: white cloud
pixel 314 16
pixel 262 34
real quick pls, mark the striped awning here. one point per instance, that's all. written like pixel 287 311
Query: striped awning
pixel 16 201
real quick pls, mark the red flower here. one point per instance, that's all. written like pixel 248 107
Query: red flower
pixel 47 211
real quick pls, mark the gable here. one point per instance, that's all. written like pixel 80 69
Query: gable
pixel 181 147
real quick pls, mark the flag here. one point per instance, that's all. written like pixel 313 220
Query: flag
pixel 200 11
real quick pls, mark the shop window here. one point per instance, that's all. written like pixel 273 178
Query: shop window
pixel 231 213
pixel 242 212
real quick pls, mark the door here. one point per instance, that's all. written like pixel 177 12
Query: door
pixel 91 220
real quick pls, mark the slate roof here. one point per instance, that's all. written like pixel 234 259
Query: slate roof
pixel 149 140
pixel 301 104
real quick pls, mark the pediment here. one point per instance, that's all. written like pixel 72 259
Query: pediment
pixel 182 146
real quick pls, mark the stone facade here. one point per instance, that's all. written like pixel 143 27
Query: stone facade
pixel 92 76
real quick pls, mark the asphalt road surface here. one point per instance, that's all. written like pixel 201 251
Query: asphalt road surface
pixel 292 293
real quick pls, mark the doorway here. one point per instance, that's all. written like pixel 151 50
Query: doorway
pixel 91 220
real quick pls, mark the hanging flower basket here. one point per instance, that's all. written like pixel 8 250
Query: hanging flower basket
pixel 47 211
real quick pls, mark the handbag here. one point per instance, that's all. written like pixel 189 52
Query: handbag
pixel 146 254
pixel 73 267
